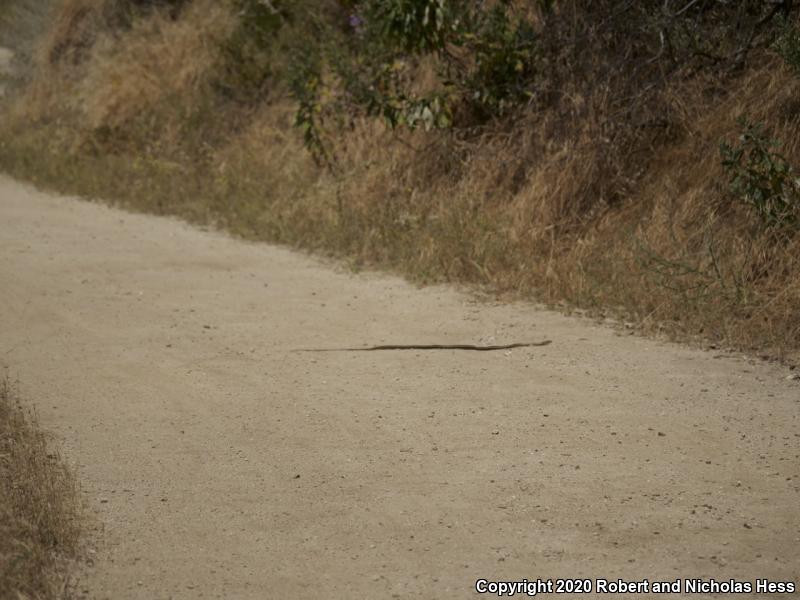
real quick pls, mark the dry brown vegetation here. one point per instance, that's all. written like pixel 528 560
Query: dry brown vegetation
pixel 576 202
pixel 40 522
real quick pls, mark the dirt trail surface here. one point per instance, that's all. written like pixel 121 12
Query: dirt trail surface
pixel 223 465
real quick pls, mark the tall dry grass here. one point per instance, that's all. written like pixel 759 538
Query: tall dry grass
pixel 40 523
pixel 576 203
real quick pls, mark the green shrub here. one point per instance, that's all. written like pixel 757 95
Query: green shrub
pixel 489 57
pixel 485 60
pixel 761 178
pixel 416 26
pixel 504 51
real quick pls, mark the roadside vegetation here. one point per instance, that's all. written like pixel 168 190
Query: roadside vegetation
pixel 639 160
pixel 40 521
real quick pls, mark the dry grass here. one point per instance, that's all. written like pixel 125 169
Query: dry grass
pixel 632 221
pixel 39 507
pixel 158 68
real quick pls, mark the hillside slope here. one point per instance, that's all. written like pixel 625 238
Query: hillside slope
pixel 640 164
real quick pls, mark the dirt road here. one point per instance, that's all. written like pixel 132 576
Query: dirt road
pixel 223 465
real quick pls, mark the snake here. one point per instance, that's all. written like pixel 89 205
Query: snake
pixel 471 347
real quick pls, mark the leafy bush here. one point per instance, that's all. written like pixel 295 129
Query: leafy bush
pixel 414 25
pixel 489 57
pixel 505 51
pixel 762 178
pixel 484 61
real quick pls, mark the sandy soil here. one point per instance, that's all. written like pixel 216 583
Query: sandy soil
pixel 221 464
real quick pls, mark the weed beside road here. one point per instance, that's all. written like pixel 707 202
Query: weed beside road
pixel 40 515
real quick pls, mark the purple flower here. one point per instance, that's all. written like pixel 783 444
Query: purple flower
pixel 356 22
